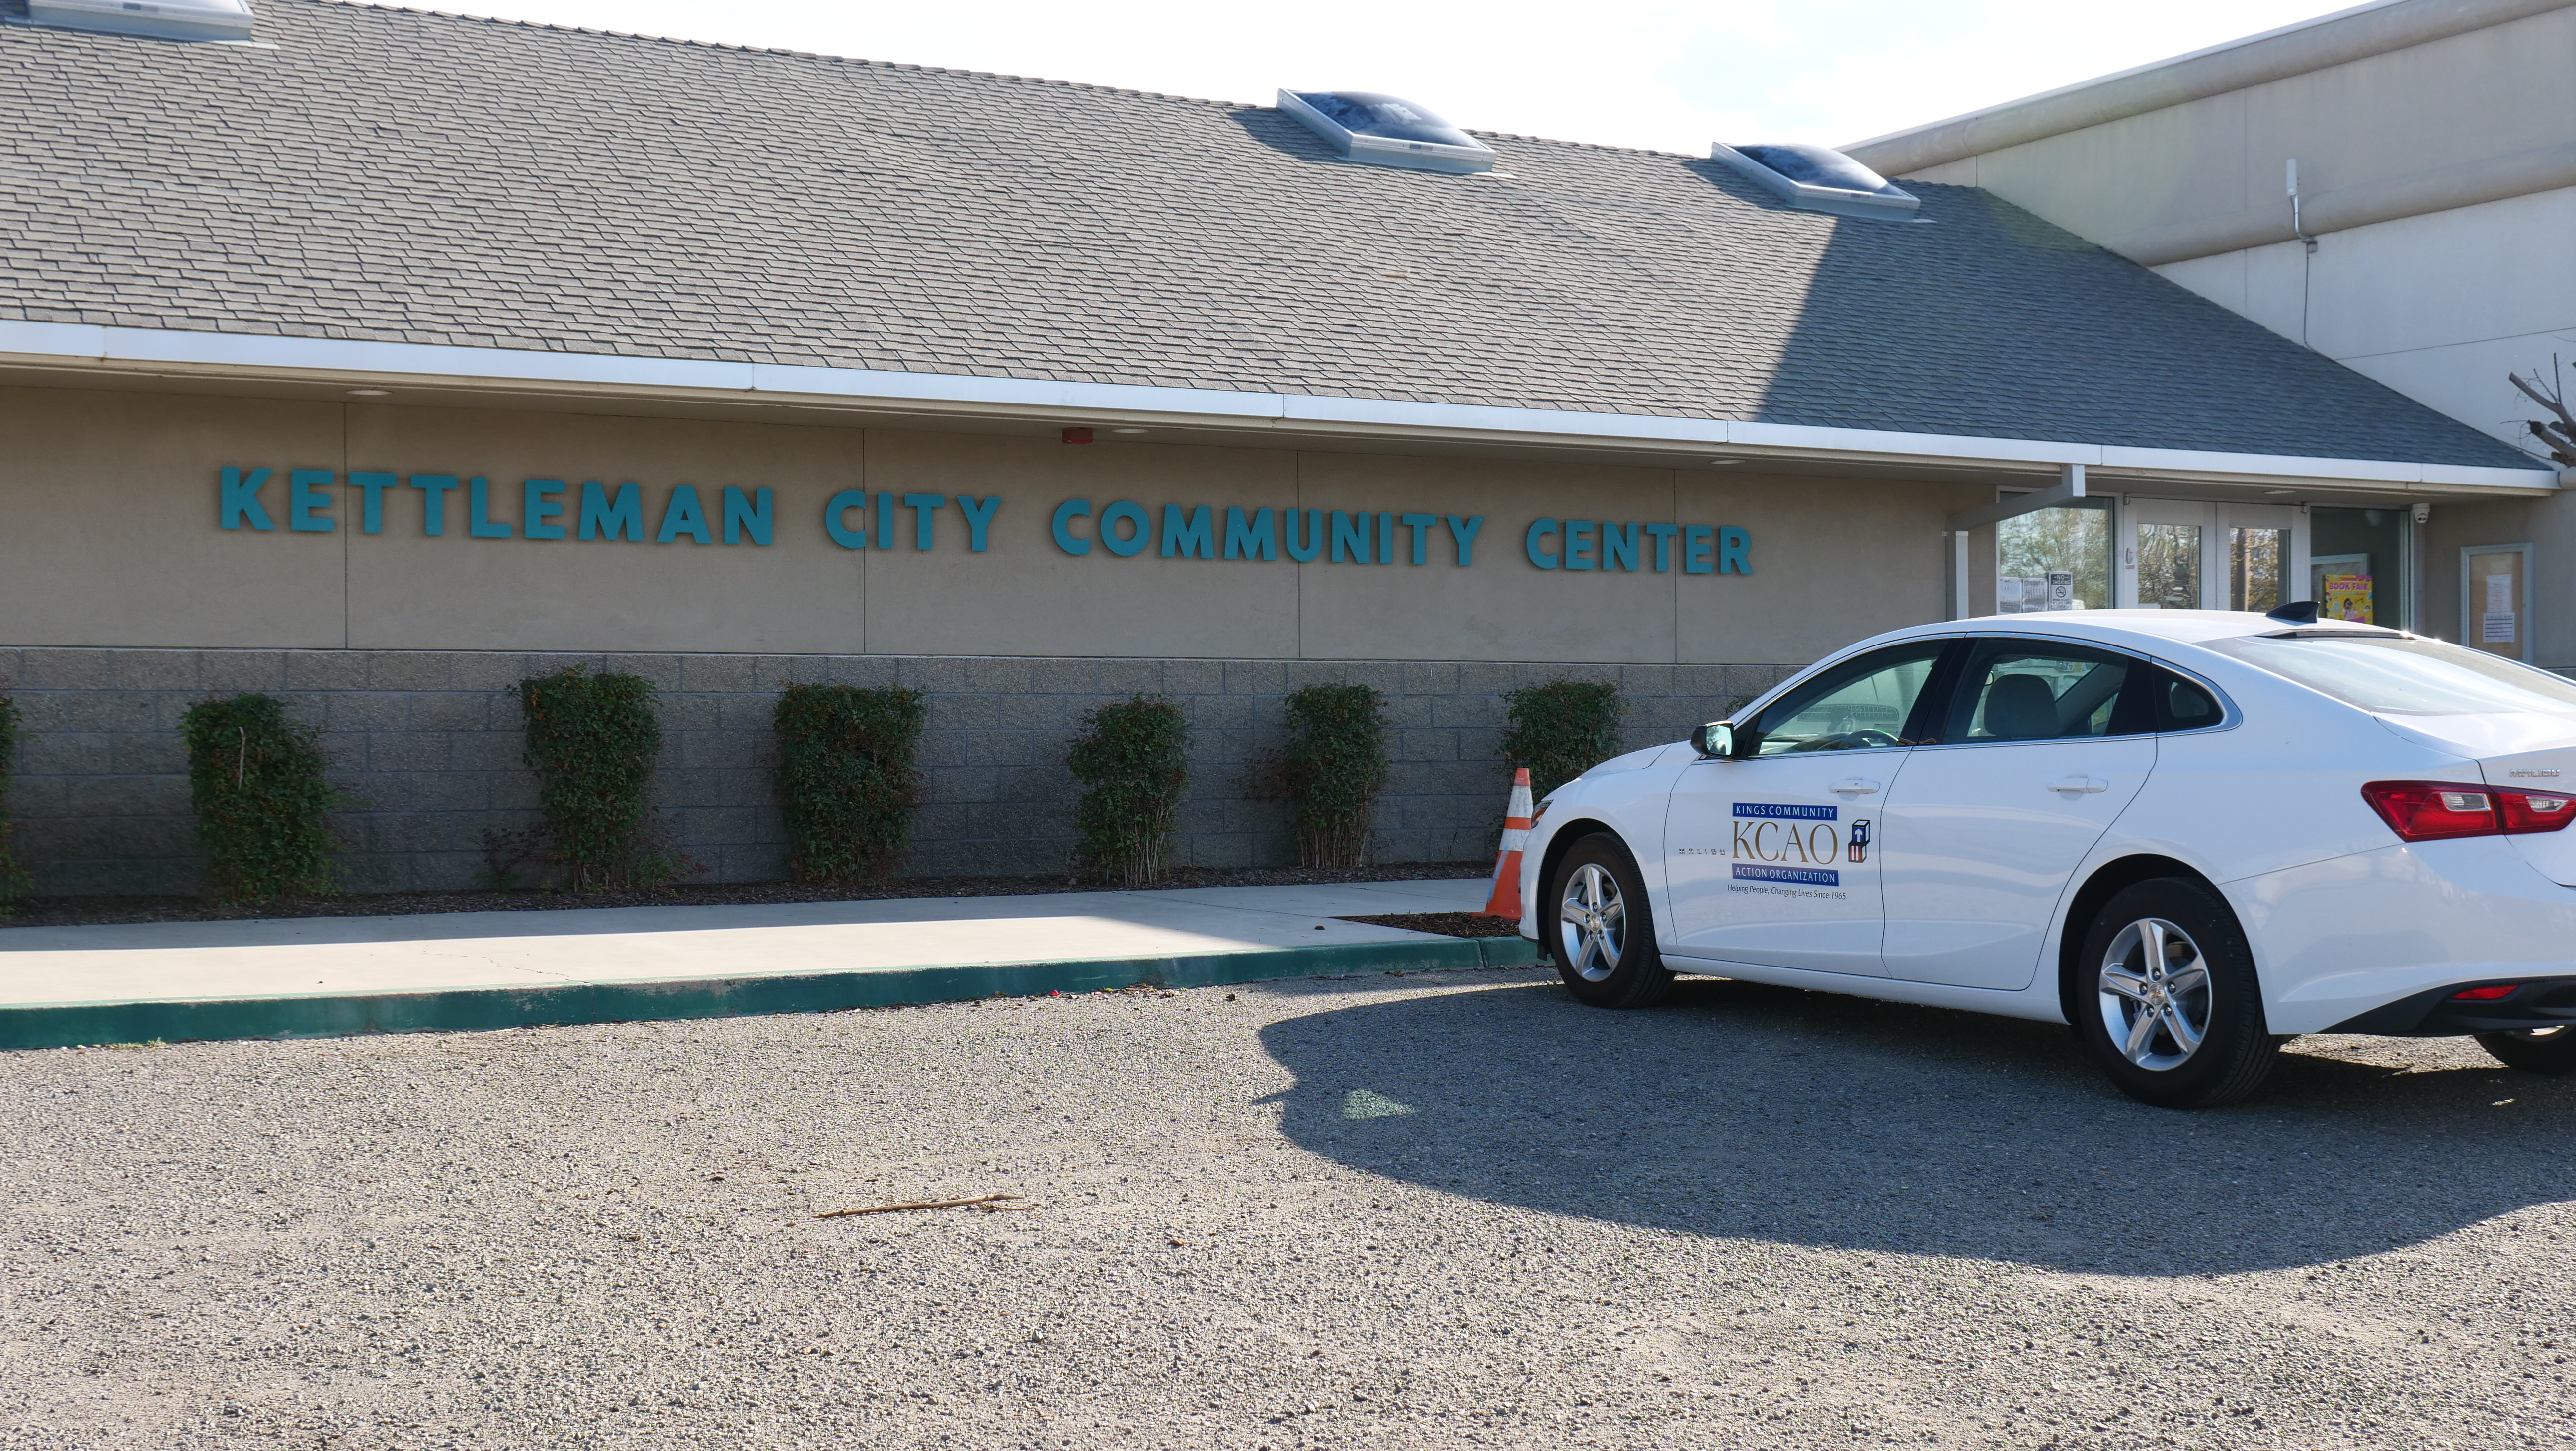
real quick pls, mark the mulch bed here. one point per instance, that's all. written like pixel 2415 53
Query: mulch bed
pixel 1446 924
pixel 87 911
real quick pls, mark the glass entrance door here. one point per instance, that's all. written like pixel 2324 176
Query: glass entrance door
pixel 2178 555
pixel 2361 566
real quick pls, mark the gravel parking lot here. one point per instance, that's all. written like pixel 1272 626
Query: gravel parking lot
pixel 1421 1211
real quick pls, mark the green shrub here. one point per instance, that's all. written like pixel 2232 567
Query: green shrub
pixel 14 880
pixel 1131 761
pixel 593 740
pixel 1333 768
pixel 1561 730
pixel 263 809
pixel 846 778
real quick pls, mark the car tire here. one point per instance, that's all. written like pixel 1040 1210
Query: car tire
pixel 2167 1000
pixel 1598 927
pixel 2533 1050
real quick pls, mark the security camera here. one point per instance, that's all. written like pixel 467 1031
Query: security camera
pixel 2423 513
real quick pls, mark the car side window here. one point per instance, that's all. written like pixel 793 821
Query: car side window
pixel 2029 690
pixel 1862 704
pixel 2181 705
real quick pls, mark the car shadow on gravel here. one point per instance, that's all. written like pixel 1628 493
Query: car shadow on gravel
pixel 1748 1111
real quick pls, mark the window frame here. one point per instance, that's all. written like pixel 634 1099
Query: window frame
pixel 2229 718
pixel 2132 696
pixel 1936 686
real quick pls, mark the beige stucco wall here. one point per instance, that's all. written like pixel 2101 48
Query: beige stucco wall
pixel 109 535
pixel 2434 108
pixel 2549 525
pixel 113 541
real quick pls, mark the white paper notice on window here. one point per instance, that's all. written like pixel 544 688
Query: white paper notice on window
pixel 2500 595
pixel 2495 627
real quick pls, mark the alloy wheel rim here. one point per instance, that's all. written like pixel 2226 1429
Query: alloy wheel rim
pixel 1592 922
pixel 2155 994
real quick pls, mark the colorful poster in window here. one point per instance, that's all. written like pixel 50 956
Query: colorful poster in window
pixel 2347 597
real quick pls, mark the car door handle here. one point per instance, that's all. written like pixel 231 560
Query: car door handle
pixel 2078 785
pixel 1853 786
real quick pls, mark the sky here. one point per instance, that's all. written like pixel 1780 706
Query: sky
pixel 1644 73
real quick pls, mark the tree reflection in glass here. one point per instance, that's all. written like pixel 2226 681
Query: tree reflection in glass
pixel 2169 566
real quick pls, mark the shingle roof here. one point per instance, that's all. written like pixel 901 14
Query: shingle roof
pixel 397 175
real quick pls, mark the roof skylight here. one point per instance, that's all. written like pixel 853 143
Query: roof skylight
pixel 162 19
pixel 1387 131
pixel 1821 179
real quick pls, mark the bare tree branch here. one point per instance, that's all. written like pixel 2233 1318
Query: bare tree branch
pixel 2558 438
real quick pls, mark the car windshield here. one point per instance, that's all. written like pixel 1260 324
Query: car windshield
pixel 2400 675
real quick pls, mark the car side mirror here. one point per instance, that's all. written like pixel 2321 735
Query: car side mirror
pixel 1714 741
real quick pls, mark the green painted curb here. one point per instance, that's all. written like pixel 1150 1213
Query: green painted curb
pixel 63 1025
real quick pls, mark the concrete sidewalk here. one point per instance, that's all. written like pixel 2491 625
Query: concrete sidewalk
pixel 324 976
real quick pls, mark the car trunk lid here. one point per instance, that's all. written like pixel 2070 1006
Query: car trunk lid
pixel 2514 751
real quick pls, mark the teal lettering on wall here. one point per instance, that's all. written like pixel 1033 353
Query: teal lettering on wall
pixel 434 489
pixel 925 508
pixel 239 504
pixel 836 518
pixel 979 517
pixel 748 515
pixel 478 512
pixel 538 508
pixel 1307 546
pixel 1124 545
pixel 1663 534
pixel 1191 535
pixel 604 518
pixel 1541 528
pixel 683 516
pixel 1352 536
pixel 308 499
pixel 858 519
pixel 1462 532
pixel 371 513
pixel 1065 514
pixel 1249 538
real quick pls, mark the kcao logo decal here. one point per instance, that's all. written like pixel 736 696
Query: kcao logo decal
pixel 1778 842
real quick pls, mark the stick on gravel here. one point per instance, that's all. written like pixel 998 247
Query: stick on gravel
pixel 990 1200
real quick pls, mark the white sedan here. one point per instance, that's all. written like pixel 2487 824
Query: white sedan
pixel 2191 834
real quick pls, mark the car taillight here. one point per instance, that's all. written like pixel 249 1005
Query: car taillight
pixel 2485 994
pixel 2526 811
pixel 2442 810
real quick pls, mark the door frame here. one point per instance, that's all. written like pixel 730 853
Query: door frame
pixel 2468 620
pixel 2213 520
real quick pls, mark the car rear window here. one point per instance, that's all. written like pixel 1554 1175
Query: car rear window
pixel 2399 675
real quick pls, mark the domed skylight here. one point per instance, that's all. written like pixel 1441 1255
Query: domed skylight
pixel 1820 179
pixel 1387 131
pixel 162 19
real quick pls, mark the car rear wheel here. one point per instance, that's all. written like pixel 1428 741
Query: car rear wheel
pixel 2533 1050
pixel 1599 928
pixel 2167 999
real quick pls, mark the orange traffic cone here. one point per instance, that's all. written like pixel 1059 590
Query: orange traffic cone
pixel 1506 899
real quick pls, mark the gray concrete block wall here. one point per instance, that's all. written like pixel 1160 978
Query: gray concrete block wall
pixel 430 741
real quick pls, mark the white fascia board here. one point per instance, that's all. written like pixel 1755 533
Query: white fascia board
pixel 246 354
pixel 2288 468
pixel 1800 438
pixel 885 384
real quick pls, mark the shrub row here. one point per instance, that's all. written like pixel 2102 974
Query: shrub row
pixel 847 780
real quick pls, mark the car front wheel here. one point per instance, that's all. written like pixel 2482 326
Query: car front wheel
pixel 1599 928
pixel 2167 999
pixel 2533 1050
